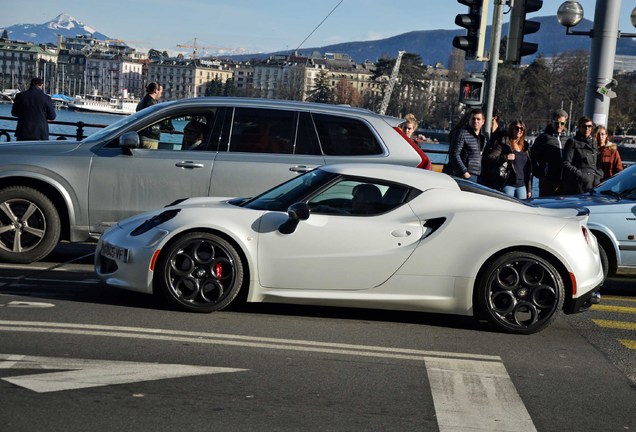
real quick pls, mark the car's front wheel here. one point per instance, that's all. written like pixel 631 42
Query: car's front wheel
pixel 520 293
pixel 29 225
pixel 199 272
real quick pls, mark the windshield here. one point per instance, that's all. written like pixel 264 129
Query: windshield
pixel 622 185
pixel 293 191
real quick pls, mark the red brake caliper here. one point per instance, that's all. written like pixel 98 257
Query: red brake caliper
pixel 218 270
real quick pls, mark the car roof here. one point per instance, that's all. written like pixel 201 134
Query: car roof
pixel 415 177
pixel 271 103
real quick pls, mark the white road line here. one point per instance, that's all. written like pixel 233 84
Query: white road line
pixel 474 395
pixel 85 373
pixel 233 340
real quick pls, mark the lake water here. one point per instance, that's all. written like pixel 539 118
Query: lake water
pixel 63 115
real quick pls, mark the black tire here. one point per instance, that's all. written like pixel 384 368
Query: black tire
pixel 520 293
pixel 29 225
pixel 199 272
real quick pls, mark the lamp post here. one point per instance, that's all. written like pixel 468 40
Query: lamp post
pixel 604 35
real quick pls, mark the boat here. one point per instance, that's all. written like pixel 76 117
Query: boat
pixel 122 105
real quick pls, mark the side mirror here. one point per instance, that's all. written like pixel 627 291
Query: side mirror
pixel 296 212
pixel 129 140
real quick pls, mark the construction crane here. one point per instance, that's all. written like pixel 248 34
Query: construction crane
pixel 391 83
pixel 194 47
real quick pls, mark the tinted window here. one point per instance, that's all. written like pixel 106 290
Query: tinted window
pixel 262 131
pixel 342 136
pixel 306 138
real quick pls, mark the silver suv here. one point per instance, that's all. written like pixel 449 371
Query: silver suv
pixel 61 190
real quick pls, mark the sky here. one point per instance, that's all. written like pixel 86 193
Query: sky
pixel 253 26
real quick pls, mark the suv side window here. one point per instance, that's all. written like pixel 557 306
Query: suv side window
pixel 306 138
pixel 342 136
pixel 262 131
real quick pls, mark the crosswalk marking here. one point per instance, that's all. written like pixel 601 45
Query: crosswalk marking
pixel 472 395
pixel 621 299
pixel 613 307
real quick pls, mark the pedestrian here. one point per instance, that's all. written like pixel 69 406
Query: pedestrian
pixel 547 155
pixel 518 182
pixel 466 145
pixel 581 160
pixel 409 126
pixel 150 136
pixel 610 158
pixel 34 109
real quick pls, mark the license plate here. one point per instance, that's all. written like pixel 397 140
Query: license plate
pixel 114 252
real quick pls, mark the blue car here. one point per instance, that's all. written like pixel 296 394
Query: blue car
pixel 612 206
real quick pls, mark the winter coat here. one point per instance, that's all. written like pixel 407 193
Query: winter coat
pixel 33 108
pixel 547 155
pixel 611 162
pixel 464 155
pixel 580 165
pixel 493 158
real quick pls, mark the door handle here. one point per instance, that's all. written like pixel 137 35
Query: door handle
pixel 189 164
pixel 401 233
pixel 300 169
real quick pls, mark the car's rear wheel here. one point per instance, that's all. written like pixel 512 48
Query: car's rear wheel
pixel 520 293
pixel 29 225
pixel 199 272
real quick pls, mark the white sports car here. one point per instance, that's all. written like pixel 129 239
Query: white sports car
pixel 363 235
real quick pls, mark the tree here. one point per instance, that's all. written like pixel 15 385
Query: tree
pixel 345 93
pixel 5 35
pixel 409 90
pixel 214 87
pixel 322 90
pixel 229 88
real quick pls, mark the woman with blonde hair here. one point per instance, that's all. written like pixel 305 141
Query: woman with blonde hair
pixel 610 159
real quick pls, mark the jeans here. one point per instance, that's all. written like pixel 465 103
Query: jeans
pixel 516 191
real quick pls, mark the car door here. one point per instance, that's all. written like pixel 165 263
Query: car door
pixel 261 148
pixel 335 249
pixel 124 182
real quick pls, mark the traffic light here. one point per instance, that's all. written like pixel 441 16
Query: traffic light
pixel 474 22
pixel 519 27
pixel 471 91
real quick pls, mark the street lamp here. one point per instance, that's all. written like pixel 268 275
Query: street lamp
pixel 604 35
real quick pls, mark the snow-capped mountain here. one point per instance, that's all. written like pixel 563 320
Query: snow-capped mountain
pixel 63 24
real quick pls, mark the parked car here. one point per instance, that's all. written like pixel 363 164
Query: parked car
pixel 612 207
pixel 75 190
pixel 363 235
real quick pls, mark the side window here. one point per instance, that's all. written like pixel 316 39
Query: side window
pixel 306 138
pixel 262 131
pixel 182 131
pixel 342 136
pixel 359 198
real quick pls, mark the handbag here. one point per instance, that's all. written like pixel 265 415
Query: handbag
pixel 504 171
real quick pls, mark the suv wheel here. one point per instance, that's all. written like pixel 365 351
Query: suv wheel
pixel 29 225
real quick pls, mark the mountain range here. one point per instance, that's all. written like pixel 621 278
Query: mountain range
pixel 433 46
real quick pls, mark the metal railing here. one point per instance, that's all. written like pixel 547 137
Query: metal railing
pixel 6 134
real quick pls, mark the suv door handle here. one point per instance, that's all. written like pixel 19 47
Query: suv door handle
pixel 189 164
pixel 300 169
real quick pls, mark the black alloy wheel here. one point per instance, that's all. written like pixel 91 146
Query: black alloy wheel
pixel 521 293
pixel 199 272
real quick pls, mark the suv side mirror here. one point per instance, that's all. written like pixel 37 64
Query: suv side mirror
pixel 129 140
pixel 296 212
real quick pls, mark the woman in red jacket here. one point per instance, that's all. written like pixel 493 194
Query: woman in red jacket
pixel 610 159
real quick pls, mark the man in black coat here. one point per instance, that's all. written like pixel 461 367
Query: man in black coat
pixel 34 109
pixel 547 155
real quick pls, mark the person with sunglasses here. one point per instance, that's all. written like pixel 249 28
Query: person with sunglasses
pixel 581 162
pixel 508 161
pixel 547 155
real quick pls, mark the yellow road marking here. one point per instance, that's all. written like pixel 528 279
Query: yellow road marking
pixel 620 309
pixel 616 298
pixel 621 325
pixel 630 344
